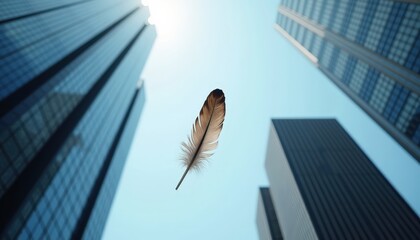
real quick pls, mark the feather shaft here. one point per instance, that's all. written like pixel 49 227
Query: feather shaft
pixel 183 176
pixel 194 157
pixel 205 132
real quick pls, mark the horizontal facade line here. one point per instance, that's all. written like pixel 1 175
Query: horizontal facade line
pixel 40 12
pixel 402 75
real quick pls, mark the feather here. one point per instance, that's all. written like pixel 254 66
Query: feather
pixel 205 133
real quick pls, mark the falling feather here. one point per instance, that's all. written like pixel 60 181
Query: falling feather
pixel 205 133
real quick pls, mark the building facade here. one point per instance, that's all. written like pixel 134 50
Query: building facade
pixel 323 186
pixel 370 50
pixel 70 101
pixel 267 222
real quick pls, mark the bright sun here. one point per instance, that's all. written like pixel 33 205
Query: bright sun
pixel 167 16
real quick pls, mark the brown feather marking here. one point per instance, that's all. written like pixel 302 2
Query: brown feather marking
pixel 205 132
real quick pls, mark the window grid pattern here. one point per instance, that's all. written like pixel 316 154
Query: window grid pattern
pixel 349 70
pixel 83 167
pixel 311 44
pixel 333 15
pixel 316 46
pixel 388 28
pixel 378 25
pixel 381 93
pixel 347 17
pixel 11 8
pixel 326 53
pixel 293 29
pixel 301 34
pixel 19 68
pixel 308 39
pixel 305 36
pixel 413 59
pixel 61 95
pixel 345 195
pixel 322 51
pixel 79 158
pixel 289 4
pixel 334 58
pixel 281 20
pixel 341 64
pixel 366 22
pixel 395 103
pixel 355 20
pixel 406 35
pixel 358 76
pixel 287 23
pixel 391 28
pixel 385 96
pixel 308 8
pixel 369 84
pixel 300 5
pixel 103 203
pixel 16 35
pixel 311 11
pixel 318 8
pixel 408 112
pixel 327 14
pixel 290 207
pixel 339 17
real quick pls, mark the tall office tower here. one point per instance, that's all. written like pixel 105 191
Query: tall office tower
pixel 268 225
pixel 324 187
pixel 69 105
pixel 370 50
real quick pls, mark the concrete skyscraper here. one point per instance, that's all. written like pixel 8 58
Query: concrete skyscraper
pixel 70 101
pixel 322 186
pixel 370 50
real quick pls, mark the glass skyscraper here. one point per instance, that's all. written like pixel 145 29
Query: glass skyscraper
pixel 370 50
pixel 70 101
pixel 322 186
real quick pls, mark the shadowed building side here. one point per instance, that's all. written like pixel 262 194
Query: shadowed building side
pixel 268 225
pixel 324 187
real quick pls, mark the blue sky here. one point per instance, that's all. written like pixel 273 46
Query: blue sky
pixel 231 45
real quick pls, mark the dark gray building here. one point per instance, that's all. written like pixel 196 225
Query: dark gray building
pixel 370 50
pixel 70 101
pixel 324 187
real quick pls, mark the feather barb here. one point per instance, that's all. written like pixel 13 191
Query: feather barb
pixel 205 133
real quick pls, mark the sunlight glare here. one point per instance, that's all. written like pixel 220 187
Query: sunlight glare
pixel 167 16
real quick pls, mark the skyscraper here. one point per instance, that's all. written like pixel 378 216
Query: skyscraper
pixel 370 50
pixel 324 187
pixel 267 222
pixel 70 101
